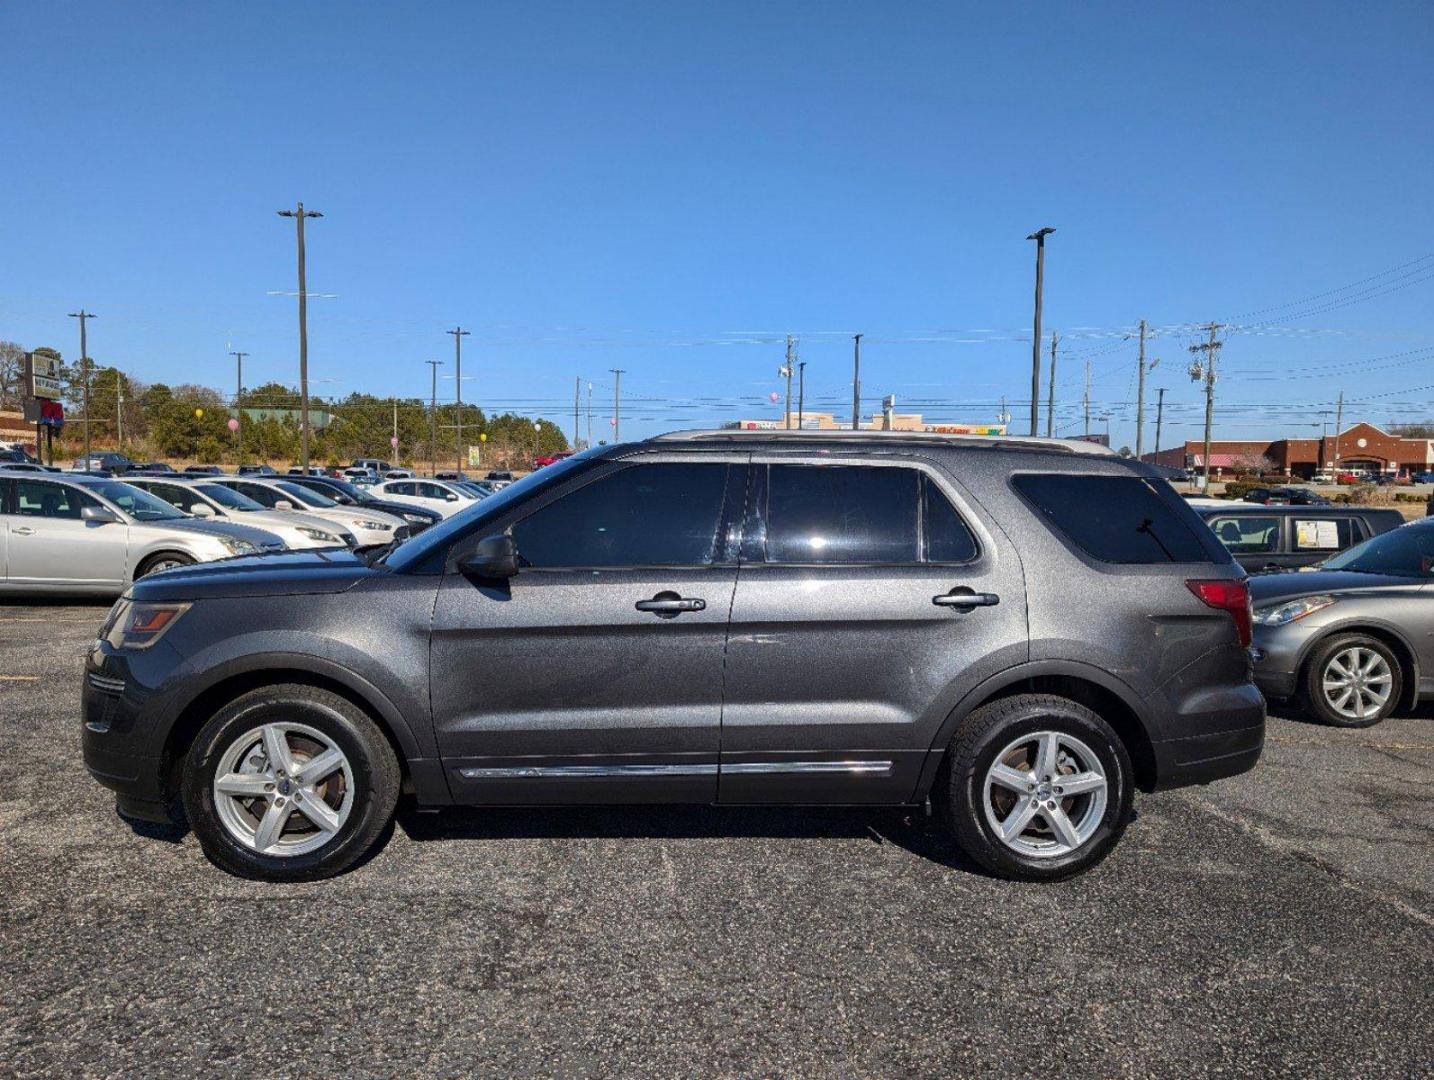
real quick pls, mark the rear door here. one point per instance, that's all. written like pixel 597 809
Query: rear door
pixel 1256 540
pixel 871 597
pixel 595 674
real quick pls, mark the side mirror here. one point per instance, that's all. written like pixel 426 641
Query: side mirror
pixel 450 497
pixel 283 504
pixel 494 557
pixel 202 510
pixel 99 515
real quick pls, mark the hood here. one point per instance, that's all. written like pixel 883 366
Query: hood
pixel 226 527
pixel 287 573
pixel 399 509
pixel 1265 588
pixel 292 518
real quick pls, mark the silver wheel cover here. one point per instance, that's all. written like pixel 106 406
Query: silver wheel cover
pixel 1045 794
pixel 1356 682
pixel 283 789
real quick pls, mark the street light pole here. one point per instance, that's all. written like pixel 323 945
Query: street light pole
pixel 616 404
pixel 299 214
pixel 1039 236
pixel 1159 416
pixel 434 365
pixel 85 316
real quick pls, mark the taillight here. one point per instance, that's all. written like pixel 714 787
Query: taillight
pixel 1232 596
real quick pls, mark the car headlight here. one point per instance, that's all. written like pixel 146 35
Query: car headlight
pixel 237 545
pixel 319 535
pixel 1291 610
pixel 415 519
pixel 139 625
pixel 373 526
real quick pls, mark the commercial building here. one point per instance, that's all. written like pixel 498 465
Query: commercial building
pixel 1362 447
pixel 824 421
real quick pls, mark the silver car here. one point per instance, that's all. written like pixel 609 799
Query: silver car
pixel 203 498
pixel 96 535
pixel 276 493
pixel 1352 640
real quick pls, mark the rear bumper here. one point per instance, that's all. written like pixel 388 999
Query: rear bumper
pixel 1215 743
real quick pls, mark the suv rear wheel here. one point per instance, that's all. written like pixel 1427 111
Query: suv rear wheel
pixel 1035 787
pixel 1352 680
pixel 290 783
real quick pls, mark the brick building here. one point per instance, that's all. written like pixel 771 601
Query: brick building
pixel 1361 447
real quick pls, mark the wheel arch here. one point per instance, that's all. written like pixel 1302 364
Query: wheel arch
pixel 159 551
pixel 1113 700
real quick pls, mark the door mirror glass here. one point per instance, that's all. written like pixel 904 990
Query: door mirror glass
pixel 201 509
pixel 99 515
pixel 493 557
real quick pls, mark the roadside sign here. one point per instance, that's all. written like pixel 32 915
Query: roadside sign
pixel 42 375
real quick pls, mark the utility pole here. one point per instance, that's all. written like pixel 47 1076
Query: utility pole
pixel 119 408
pixel 801 392
pixel 299 214
pixel 1086 398
pixel 577 406
pixel 393 443
pixel 1205 368
pixel 1338 427
pixel 786 371
pixel 856 384
pixel 1140 397
pixel 1051 399
pixel 434 365
pixel 1159 416
pixel 238 400
pixel 616 404
pixel 590 414
pixel 84 316
pixel 458 335
pixel 1039 236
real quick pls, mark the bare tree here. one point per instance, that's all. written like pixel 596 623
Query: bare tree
pixel 12 370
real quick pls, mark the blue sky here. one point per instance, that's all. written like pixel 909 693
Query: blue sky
pixel 670 188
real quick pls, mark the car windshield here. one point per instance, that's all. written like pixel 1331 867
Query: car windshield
pixel 137 503
pixel 1405 552
pixel 307 497
pixel 440 536
pixel 358 495
pixel 228 497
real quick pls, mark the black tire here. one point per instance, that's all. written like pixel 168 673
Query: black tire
pixel 981 737
pixel 376 781
pixel 174 558
pixel 1311 694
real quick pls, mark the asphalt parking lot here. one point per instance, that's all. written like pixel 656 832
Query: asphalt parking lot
pixel 1278 924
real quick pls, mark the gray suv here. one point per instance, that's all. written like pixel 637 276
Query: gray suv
pixel 1019 633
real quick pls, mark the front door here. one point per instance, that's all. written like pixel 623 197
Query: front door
pixel 595 674
pixel 871 598
pixel 49 543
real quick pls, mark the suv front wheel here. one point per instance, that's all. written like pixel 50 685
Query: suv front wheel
pixel 1035 787
pixel 290 783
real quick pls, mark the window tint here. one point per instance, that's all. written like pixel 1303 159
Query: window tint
pixel 1246 535
pixel 139 504
pixel 663 514
pixel 1322 534
pixel 400 487
pixel 1116 519
pixel 948 540
pixel 38 499
pixel 842 514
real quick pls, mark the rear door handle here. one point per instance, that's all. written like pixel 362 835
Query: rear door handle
pixel 964 599
pixel 668 605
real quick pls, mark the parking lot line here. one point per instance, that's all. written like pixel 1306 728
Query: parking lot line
pixel 19 678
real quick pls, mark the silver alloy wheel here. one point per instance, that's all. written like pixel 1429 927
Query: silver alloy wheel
pixel 1357 682
pixel 283 789
pixel 1045 794
pixel 164 564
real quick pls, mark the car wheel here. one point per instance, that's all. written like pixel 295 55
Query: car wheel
pixel 290 783
pixel 165 560
pixel 1035 787
pixel 1352 680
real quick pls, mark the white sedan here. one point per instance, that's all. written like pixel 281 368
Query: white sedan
pixel 442 495
pixel 369 526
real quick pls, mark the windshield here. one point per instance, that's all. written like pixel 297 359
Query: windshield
pixel 138 504
pixel 1405 552
pixel 354 493
pixel 307 497
pixel 441 536
pixel 227 497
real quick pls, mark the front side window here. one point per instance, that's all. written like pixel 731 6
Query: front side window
pixel 228 498
pixel 306 496
pixel 139 504
pixel 662 514
pixel 1404 552
pixel 1248 535
pixel 1114 519
pixel 259 493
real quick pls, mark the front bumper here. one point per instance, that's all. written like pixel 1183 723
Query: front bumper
pixel 1278 652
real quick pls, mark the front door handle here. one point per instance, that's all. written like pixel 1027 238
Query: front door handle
pixel 23 530
pixel 964 599
pixel 669 605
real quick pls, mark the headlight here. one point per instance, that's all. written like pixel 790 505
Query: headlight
pixel 415 519
pixel 373 526
pixel 237 545
pixel 1291 610
pixel 138 626
pixel 319 535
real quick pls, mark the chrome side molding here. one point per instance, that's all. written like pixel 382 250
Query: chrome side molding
pixel 609 772
pixel 859 768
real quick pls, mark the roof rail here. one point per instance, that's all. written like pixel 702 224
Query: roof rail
pixel 998 442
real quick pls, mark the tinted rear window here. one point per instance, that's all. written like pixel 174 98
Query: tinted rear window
pixel 1116 519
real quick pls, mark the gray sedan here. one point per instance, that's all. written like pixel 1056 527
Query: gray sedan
pixel 87 534
pixel 1354 639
